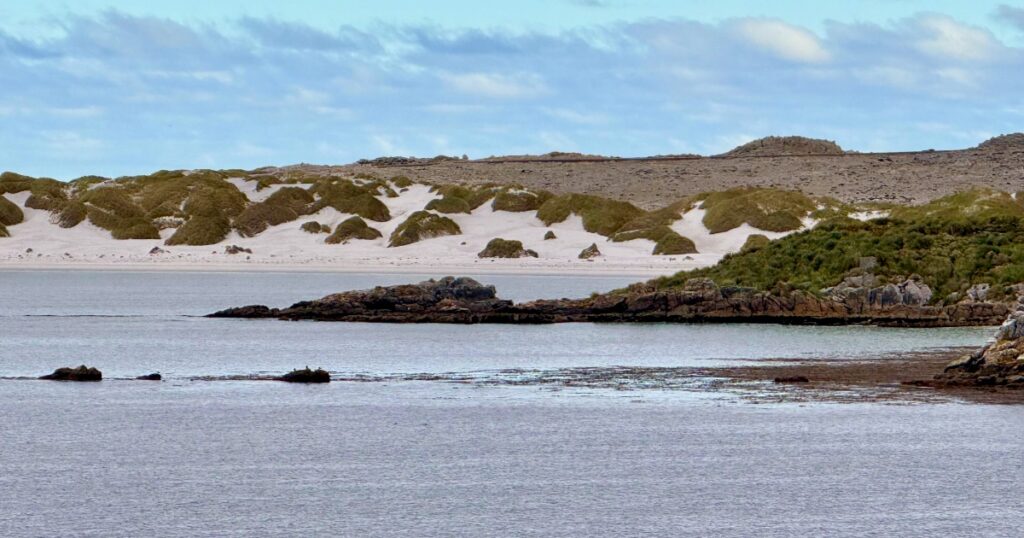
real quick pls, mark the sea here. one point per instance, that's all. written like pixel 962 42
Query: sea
pixel 461 430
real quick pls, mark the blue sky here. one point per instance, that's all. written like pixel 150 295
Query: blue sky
pixel 123 87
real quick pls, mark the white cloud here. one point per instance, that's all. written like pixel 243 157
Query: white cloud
pixel 784 40
pixel 949 39
pixel 574 116
pixel 497 85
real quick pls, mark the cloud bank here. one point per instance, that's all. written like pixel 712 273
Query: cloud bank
pixel 117 94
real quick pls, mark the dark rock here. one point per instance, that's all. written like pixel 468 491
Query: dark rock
pixel 150 377
pixel 792 379
pixel 251 312
pixel 590 252
pixel 81 373
pixel 306 375
pixel 235 249
pixel 549 235
pixel 156 251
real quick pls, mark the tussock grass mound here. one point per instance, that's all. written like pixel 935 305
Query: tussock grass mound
pixel 402 182
pixel 3 231
pixel 600 215
pixel 981 242
pixel 473 196
pixel 72 214
pixel 284 205
pixel 347 197
pixel 672 243
pixel 422 225
pixel 209 209
pixel 519 200
pixel 12 183
pixel 314 227
pixel 765 209
pixel 112 209
pixel 352 228
pixel 10 213
pixel 449 204
pixel 758 241
pixel 505 248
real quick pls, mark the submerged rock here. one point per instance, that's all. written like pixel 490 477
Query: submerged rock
pixel 81 373
pixel 150 377
pixel 306 375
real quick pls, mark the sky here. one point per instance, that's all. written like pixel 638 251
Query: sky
pixel 119 87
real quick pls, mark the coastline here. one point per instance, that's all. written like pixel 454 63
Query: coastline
pixel 531 267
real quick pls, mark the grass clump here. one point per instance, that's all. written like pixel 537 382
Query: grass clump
pixel 402 182
pixel 519 200
pixel 772 210
pixel 285 205
pixel 755 242
pixel 449 204
pixel 505 248
pixel 473 196
pixel 352 228
pixel 113 209
pixel 209 209
pixel 347 197
pixel 600 215
pixel 672 243
pixel 72 214
pixel 3 231
pixel 201 230
pixel 314 227
pixel 422 225
pixel 10 213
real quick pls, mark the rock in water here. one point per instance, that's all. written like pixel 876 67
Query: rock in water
pixel 150 377
pixel 590 252
pixel 81 373
pixel 306 375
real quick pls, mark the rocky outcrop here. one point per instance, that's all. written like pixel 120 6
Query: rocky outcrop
pixel 590 252
pixel 306 375
pixel 1000 363
pixel 863 290
pixel 464 300
pixel 81 373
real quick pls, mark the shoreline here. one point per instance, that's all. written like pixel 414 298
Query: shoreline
pixel 640 272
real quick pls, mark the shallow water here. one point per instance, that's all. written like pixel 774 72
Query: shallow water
pixel 195 458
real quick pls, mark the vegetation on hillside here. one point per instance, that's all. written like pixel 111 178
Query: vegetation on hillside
pixel 505 248
pixel 772 210
pixel 952 243
pixel 600 215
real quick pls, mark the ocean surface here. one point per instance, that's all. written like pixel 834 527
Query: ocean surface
pixel 437 430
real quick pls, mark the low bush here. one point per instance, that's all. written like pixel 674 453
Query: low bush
pixel 352 228
pixel 772 210
pixel 600 215
pixel 73 213
pixel 10 213
pixel 284 205
pixel 672 243
pixel 519 200
pixel 755 242
pixel 505 248
pixel 201 230
pixel 449 204
pixel 422 225
pixel 314 227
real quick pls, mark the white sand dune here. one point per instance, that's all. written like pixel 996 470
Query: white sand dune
pixel 37 243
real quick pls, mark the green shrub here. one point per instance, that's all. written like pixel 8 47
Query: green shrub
pixel 600 215
pixel 950 251
pixel 352 228
pixel 10 213
pixel 473 196
pixel 284 205
pixel 449 204
pixel 422 225
pixel 672 243
pixel 755 242
pixel 201 230
pixel 401 182
pixel 12 183
pixel 766 209
pixel 505 248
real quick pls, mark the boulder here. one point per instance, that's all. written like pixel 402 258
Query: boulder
pixel 155 251
pixel 150 377
pixel 306 375
pixel 590 252
pixel 81 373
pixel 235 249
pixel 549 235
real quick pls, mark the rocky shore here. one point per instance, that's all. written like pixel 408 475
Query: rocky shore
pixel 999 364
pixel 464 300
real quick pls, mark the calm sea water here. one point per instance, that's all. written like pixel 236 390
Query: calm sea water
pixel 425 458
